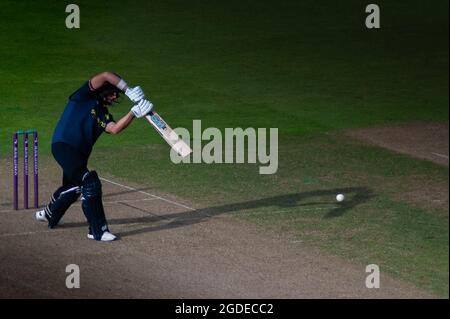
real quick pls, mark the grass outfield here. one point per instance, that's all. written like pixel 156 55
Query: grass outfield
pixel 309 68
pixel 230 63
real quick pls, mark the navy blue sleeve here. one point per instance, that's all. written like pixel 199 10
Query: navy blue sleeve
pixel 108 118
pixel 85 92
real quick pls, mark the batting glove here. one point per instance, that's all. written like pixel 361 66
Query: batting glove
pixel 142 108
pixel 135 94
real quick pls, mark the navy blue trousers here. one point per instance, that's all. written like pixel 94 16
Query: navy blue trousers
pixel 74 167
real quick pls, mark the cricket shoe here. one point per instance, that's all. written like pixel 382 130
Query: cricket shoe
pixel 40 216
pixel 107 236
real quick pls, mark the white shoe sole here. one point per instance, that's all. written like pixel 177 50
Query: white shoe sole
pixel 41 217
pixel 105 237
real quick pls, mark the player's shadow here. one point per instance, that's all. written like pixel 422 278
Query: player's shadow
pixel 355 196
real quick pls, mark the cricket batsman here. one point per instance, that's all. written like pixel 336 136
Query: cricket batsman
pixel 85 117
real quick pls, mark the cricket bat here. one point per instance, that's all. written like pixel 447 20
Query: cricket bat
pixel 169 135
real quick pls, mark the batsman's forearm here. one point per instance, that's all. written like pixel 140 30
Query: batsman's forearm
pixel 116 80
pixel 122 123
pixel 98 80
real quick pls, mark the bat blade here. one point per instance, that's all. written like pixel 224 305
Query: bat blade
pixel 169 135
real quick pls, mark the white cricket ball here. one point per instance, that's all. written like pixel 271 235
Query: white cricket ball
pixel 340 197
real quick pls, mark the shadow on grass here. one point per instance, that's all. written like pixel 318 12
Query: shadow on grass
pixel 355 196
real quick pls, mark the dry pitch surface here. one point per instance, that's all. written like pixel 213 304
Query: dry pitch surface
pixel 168 248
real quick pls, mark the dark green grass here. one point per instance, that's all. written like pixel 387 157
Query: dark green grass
pixel 231 63
pixel 306 67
